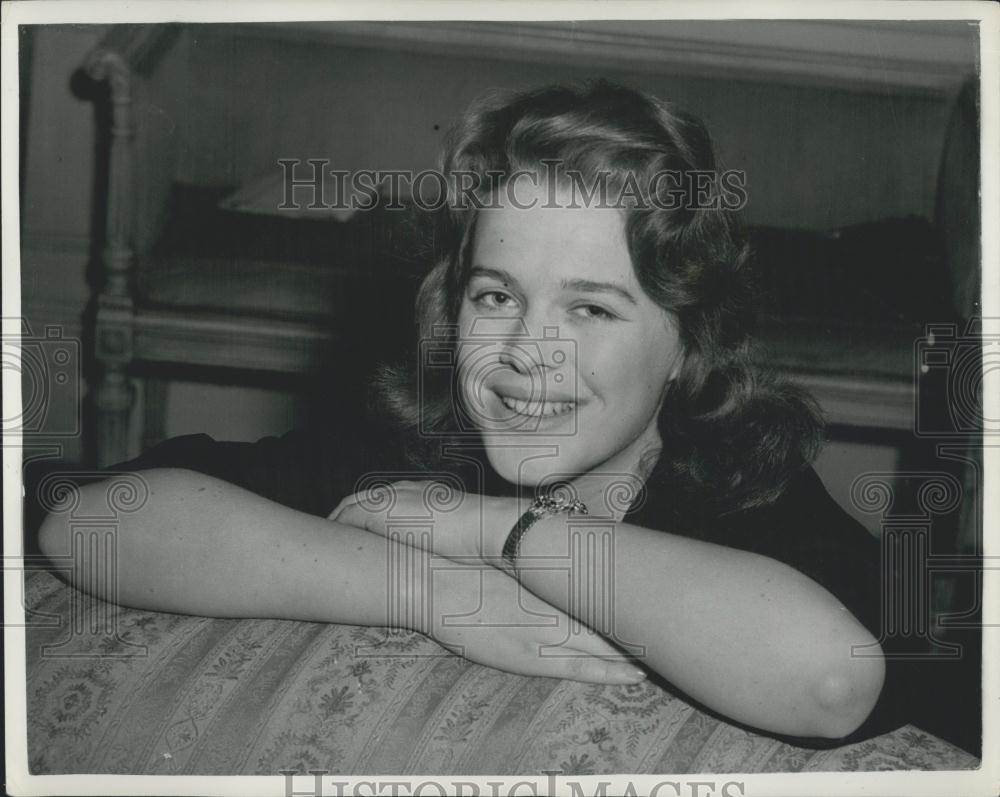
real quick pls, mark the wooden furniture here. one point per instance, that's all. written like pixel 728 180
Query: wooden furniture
pixel 206 306
pixel 128 332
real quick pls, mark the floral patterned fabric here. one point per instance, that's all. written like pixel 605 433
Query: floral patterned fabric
pixel 138 692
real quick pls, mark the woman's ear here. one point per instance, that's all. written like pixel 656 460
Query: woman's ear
pixel 673 326
pixel 678 366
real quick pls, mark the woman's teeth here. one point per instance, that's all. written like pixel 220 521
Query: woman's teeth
pixel 537 408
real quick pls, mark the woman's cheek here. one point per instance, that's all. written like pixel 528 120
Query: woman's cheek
pixel 615 370
pixel 601 359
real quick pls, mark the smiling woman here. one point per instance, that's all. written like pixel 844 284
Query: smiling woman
pixel 590 426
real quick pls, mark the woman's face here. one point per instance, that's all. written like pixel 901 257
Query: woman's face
pixel 563 359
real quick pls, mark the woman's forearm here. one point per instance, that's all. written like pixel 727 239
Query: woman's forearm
pixel 203 546
pixel 744 634
pixel 206 547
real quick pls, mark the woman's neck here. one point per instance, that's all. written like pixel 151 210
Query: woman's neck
pixel 610 488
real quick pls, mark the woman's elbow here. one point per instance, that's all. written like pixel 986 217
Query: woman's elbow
pixel 53 536
pixel 79 506
pixel 101 500
pixel 844 698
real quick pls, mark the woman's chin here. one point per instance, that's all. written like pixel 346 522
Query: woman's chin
pixel 526 468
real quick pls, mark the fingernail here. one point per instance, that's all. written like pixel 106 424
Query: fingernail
pixel 635 674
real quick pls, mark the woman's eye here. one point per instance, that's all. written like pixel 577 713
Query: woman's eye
pixel 594 311
pixel 495 300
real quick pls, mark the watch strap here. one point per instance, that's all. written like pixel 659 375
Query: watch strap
pixel 541 506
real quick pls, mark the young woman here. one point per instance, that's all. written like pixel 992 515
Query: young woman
pixel 580 431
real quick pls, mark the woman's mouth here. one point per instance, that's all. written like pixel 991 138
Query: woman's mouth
pixel 537 409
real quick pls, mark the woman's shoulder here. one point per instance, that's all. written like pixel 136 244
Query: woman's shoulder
pixel 803 510
pixel 804 527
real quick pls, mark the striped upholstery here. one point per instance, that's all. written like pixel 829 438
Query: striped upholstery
pixel 142 692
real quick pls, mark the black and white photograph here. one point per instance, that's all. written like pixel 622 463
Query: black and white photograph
pixel 532 399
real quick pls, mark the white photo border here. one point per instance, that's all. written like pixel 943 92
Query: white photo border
pixel 984 781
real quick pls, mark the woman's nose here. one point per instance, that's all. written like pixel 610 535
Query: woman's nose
pixel 545 349
pixel 522 359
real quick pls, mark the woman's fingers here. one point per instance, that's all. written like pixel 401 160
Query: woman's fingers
pixel 349 500
pixel 579 666
pixel 351 512
pixel 586 656
pixel 591 642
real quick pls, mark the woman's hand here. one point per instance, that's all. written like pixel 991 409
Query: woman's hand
pixel 484 615
pixel 430 515
pixel 480 612
pixel 442 518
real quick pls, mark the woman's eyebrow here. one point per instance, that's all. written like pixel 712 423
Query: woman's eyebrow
pixel 496 273
pixel 589 286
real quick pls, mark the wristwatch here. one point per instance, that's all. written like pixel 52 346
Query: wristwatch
pixel 543 505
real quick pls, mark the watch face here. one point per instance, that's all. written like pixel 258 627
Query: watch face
pixel 558 503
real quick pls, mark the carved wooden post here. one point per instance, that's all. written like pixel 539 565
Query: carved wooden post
pixel 115 311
